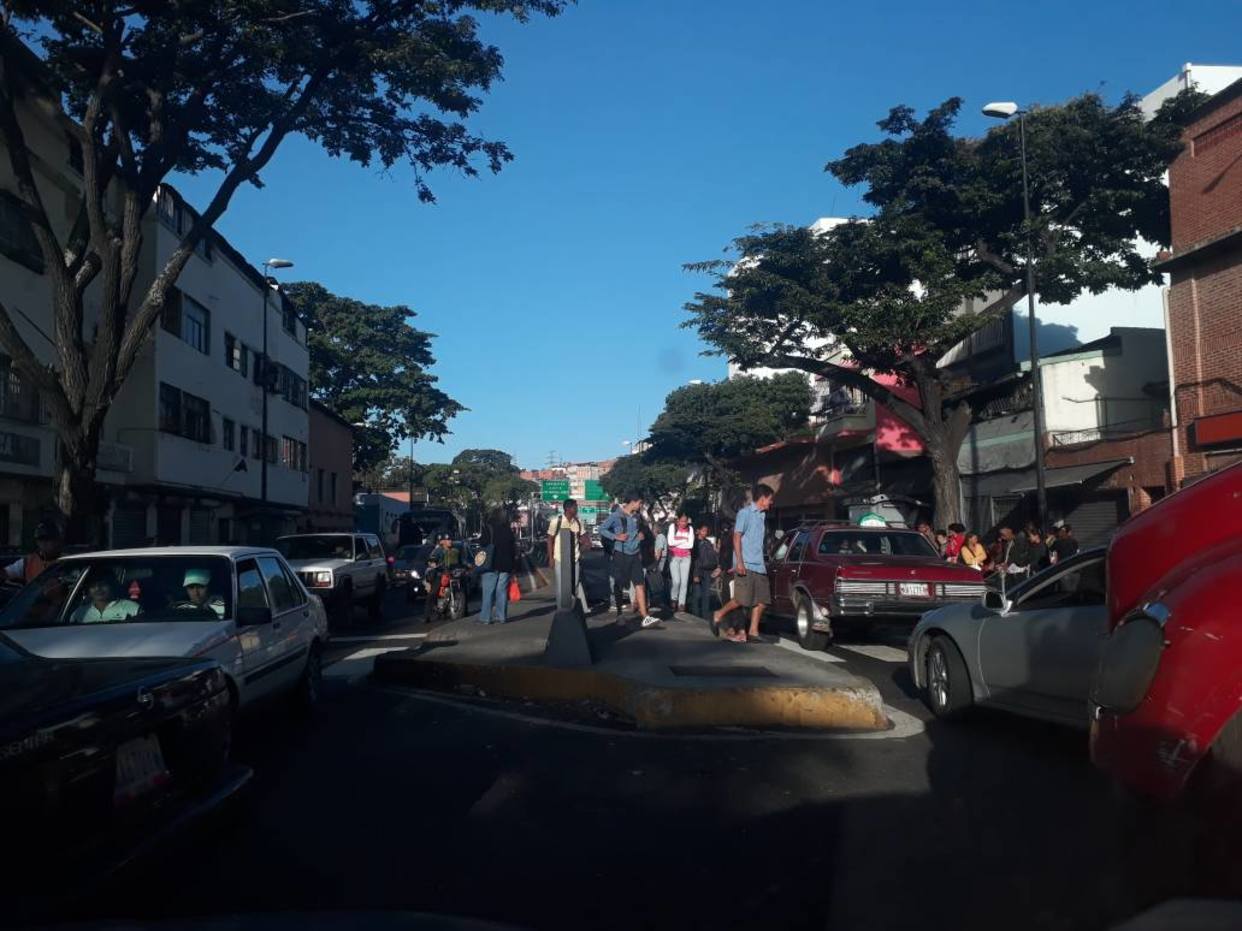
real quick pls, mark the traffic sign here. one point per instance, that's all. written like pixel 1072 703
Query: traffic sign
pixel 554 489
pixel 593 491
pixel 588 513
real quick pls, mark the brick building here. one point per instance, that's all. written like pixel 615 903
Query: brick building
pixel 1205 292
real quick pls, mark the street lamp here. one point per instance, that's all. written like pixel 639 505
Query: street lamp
pixel 1003 110
pixel 268 267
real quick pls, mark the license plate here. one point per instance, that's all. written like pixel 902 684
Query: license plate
pixel 139 769
pixel 914 590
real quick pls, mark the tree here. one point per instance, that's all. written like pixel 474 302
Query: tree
pixel 664 483
pixel 147 89
pixel 368 364
pixel 391 473
pixel 485 461
pixel 507 490
pixel 892 294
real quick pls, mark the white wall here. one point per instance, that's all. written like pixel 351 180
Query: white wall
pixel 1099 388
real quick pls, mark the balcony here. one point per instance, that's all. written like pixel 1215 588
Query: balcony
pixel 837 419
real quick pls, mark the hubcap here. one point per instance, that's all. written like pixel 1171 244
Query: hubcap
pixel 938 679
pixel 804 620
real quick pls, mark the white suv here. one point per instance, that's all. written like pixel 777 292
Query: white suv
pixel 342 568
pixel 240 605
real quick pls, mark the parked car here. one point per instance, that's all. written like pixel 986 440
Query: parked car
pixel 1031 651
pixel 1167 697
pixel 242 606
pixel 344 569
pixel 102 757
pixel 828 571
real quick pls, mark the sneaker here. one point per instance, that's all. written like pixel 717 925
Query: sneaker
pixel 650 621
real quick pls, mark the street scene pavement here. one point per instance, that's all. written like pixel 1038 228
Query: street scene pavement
pixel 392 798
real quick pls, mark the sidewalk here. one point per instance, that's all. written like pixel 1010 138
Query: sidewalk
pixel 675 675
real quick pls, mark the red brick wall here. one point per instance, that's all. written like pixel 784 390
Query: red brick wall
pixel 1150 451
pixel 1206 179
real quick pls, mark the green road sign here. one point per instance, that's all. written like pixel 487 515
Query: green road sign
pixel 554 489
pixel 593 491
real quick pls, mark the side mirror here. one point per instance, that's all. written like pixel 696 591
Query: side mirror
pixel 253 615
pixel 995 601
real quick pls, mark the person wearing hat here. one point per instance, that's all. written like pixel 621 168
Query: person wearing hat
pixel 102 605
pixel 48 544
pixel 196 583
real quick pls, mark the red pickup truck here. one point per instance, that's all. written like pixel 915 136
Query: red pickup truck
pixel 831 570
pixel 1167 696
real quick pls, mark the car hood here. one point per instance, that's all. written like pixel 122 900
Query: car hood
pixel 318 565
pixel 926 569
pixel 155 638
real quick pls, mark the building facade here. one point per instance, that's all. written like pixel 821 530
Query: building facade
pixel 330 505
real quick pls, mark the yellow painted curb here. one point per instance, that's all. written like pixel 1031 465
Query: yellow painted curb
pixel 651 707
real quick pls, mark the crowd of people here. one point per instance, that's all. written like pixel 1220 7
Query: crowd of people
pixel 1014 553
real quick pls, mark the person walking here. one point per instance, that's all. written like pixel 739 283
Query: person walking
pixel 568 520
pixel 974 554
pixel 704 570
pixel 622 529
pixel 750 582
pixel 498 534
pixel 680 548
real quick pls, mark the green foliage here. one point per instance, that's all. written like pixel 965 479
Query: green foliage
pixel 369 365
pixel 485 460
pixel 655 481
pixel 508 489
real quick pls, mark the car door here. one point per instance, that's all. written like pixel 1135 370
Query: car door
pixel 257 643
pixel 360 570
pixel 1039 656
pixel 785 567
pixel 290 620
pixel 377 565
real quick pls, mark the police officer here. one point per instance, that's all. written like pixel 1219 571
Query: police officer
pixel 48 546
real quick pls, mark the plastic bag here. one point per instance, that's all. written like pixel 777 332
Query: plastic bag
pixel 515 590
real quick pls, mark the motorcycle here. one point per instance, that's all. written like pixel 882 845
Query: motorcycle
pixel 448 600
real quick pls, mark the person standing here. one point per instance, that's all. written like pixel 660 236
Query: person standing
pixel 568 520
pixel 750 583
pixel 48 545
pixel 973 552
pixel 704 570
pixel 621 528
pixel 1064 546
pixel 957 539
pixel 680 549
pixel 657 584
pixel 498 534
pixel 925 529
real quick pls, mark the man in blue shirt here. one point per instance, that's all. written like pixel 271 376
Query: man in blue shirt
pixel 621 528
pixel 750 575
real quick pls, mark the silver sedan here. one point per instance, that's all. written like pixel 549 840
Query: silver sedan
pixel 1031 650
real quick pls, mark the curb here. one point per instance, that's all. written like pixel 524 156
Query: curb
pixel 650 707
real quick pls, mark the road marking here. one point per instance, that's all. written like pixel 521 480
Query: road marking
pixel 357 664
pixel 793 647
pixel 377 638
pixel 904 725
pixel 874 651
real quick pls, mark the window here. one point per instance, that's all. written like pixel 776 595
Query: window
pixel 250 591
pixel 17 238
pixel 242 438
pixel 374 550
pixel 236 355
pixel 189 320
pixel 799 546
pixel 1081 586
pixel 277 584
pixel 319 487
pixel 289 316
pixel 227 427
pixel 288 452
pixel 269 446
pixel 184 414
pixel 170 409
pixel 293 388
pixel 18 399
pixel 875 543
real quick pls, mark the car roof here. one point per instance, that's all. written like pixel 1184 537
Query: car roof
pixel 844 525
pixel 327 533
pixel 231 552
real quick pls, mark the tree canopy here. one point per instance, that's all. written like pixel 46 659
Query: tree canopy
pixel 369 365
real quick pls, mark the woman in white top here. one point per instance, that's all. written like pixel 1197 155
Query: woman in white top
pixel 680 546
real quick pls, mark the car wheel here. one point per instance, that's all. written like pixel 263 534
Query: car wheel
pixel 948 683
pixel 306 694
pixel 458 609
pixel 375 607
pixel 804 615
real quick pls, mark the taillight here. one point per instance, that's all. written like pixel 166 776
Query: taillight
pixel 1129 659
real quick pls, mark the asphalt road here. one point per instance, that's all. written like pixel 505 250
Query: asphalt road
pixel 390 799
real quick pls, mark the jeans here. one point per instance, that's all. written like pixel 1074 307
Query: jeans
pixel 495 587
pixel 701 597
pixel 679 574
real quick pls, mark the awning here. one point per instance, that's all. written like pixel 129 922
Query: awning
pixel 1075 475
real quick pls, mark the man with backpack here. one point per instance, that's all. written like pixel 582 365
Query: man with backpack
pixel 568 520
pixel 622 528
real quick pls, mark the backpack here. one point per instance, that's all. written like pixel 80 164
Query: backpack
pixel 607 544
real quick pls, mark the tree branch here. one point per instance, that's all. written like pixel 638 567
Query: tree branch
pixel 908 412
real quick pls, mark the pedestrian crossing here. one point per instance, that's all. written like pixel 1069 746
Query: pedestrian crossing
pixel 835 651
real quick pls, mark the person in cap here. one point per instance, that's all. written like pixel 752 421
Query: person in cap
pixel 103 605
pixel 196 584
pixel 48 546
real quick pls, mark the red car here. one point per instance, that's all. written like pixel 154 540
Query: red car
pixel 1167 696
pixel 825 571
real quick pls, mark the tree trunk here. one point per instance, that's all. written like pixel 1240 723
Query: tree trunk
pixel 946 484
pixel 75 483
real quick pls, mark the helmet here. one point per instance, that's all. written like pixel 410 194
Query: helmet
pixel 47 530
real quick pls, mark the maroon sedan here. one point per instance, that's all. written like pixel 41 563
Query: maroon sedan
pixel 830 570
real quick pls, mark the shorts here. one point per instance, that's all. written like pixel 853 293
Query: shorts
pixel 751 589
pixel 627 569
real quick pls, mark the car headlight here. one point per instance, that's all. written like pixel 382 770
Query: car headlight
pixel 322 578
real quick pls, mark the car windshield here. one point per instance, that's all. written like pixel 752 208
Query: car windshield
pixel 874 543
pixel 130 589
pixel 327 546
pixel 414 554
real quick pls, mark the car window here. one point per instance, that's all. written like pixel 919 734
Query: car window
pixel 872 543
pixel 374 550
pixel 1081 586
pixel 130 589
pixel 250 590
pixel 782 550
pixel 799 547
pixel 327 546
pixel 360 548
pixel 277 584
pixel 295 587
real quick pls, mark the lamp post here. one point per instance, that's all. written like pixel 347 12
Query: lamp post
pixel 268 267
pixel 1004 110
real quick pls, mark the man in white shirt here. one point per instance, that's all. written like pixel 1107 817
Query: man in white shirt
pixel 102 606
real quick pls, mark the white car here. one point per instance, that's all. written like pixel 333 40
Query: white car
pixel 343 569
pixel 242 606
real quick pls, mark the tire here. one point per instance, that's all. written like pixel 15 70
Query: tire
pixel 808 639
pixel 375 606
pixel 458 609
pixel 948 683
pixel 306 692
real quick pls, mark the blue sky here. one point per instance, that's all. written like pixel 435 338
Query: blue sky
pixel 647 133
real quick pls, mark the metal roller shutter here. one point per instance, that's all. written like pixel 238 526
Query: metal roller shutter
pixel 200 526
pixel 1096 516
pixel 129 525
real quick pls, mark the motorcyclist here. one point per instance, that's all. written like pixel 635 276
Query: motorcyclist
pixel 48 546
pixel 444 558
